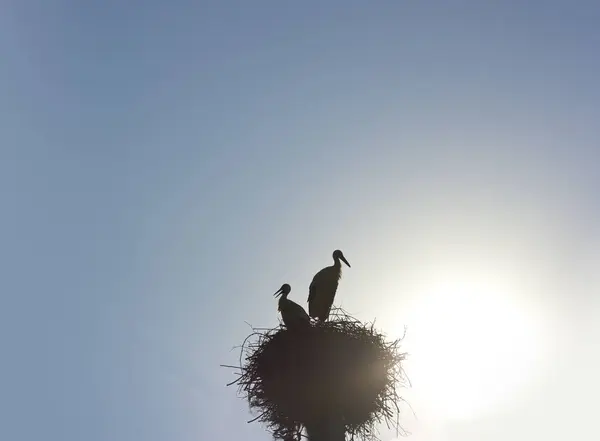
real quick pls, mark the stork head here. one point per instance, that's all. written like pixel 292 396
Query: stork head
pixel 284 290
pixel 338 255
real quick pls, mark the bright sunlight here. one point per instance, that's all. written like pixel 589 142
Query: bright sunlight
pixel 474 342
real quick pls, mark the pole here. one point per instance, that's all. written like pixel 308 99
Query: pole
pixel 326 430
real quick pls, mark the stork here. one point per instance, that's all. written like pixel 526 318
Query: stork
pixel 323 287
pixel 293 315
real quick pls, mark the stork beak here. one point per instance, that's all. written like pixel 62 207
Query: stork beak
pixel 278 293
pixel 343 259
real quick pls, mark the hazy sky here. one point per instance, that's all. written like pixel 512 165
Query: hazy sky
pixel 166 166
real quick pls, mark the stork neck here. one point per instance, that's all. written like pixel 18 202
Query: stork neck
pixel 337 263
pixel 281 301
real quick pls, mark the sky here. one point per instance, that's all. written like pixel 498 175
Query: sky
pixel 166 166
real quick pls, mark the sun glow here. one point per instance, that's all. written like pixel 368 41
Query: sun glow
pixel 473 343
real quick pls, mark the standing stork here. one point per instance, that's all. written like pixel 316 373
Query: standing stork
pixel 293 315
pixel 323 287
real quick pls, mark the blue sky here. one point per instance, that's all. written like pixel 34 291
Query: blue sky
pixel 166 166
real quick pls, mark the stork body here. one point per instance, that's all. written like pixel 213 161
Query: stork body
pixel 293 315
pixel 324 286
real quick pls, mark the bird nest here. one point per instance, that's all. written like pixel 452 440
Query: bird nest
pixel 339 370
